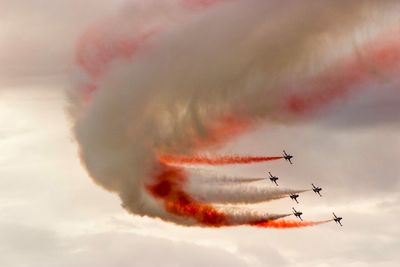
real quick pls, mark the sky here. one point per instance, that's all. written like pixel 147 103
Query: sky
pixel 53 213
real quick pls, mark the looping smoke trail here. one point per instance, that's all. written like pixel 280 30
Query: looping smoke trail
pixel 222 160
pixel 184 95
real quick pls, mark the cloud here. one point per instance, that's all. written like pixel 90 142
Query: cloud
pixel 25 245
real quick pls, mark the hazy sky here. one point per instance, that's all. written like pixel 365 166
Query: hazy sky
pixel 53 214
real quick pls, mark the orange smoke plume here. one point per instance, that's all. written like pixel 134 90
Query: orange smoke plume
pixel 283 224
pixel 223 160
pixel 168 187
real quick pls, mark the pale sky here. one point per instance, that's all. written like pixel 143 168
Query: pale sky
pixel 52 213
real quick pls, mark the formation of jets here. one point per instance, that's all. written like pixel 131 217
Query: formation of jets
pixel 294 196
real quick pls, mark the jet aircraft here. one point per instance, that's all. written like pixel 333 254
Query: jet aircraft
pixel 294 197
pixel 297 213
pixel 273 178
pixel 316 190
pixel 287 157
pixel 337 219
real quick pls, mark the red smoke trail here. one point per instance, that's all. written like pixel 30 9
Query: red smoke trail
pixel 284 224
pixel 380 57
pixel 223 160
pixel 99 46
pixel 96 49
pixel 168 187
pixel 88 91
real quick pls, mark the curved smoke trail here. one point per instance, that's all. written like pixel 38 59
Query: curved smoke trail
pixel 198 73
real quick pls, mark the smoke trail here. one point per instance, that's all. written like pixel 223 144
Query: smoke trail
pixel 156 87
pixel 198 176
pixel 169 189
pixel 248 217
pixel 237 194
pixel 379 57
pixel 283 224
pixel 226 180
pixel 222 160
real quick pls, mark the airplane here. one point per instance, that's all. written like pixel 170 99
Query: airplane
pixel 294 197
pixel 337 219
pixel 316 190
pixel 287 157
pixel 297 213
pixel 273 178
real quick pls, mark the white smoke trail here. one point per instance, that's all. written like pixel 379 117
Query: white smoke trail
pixel 202 176
pixel 238 216
pixel 238 194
